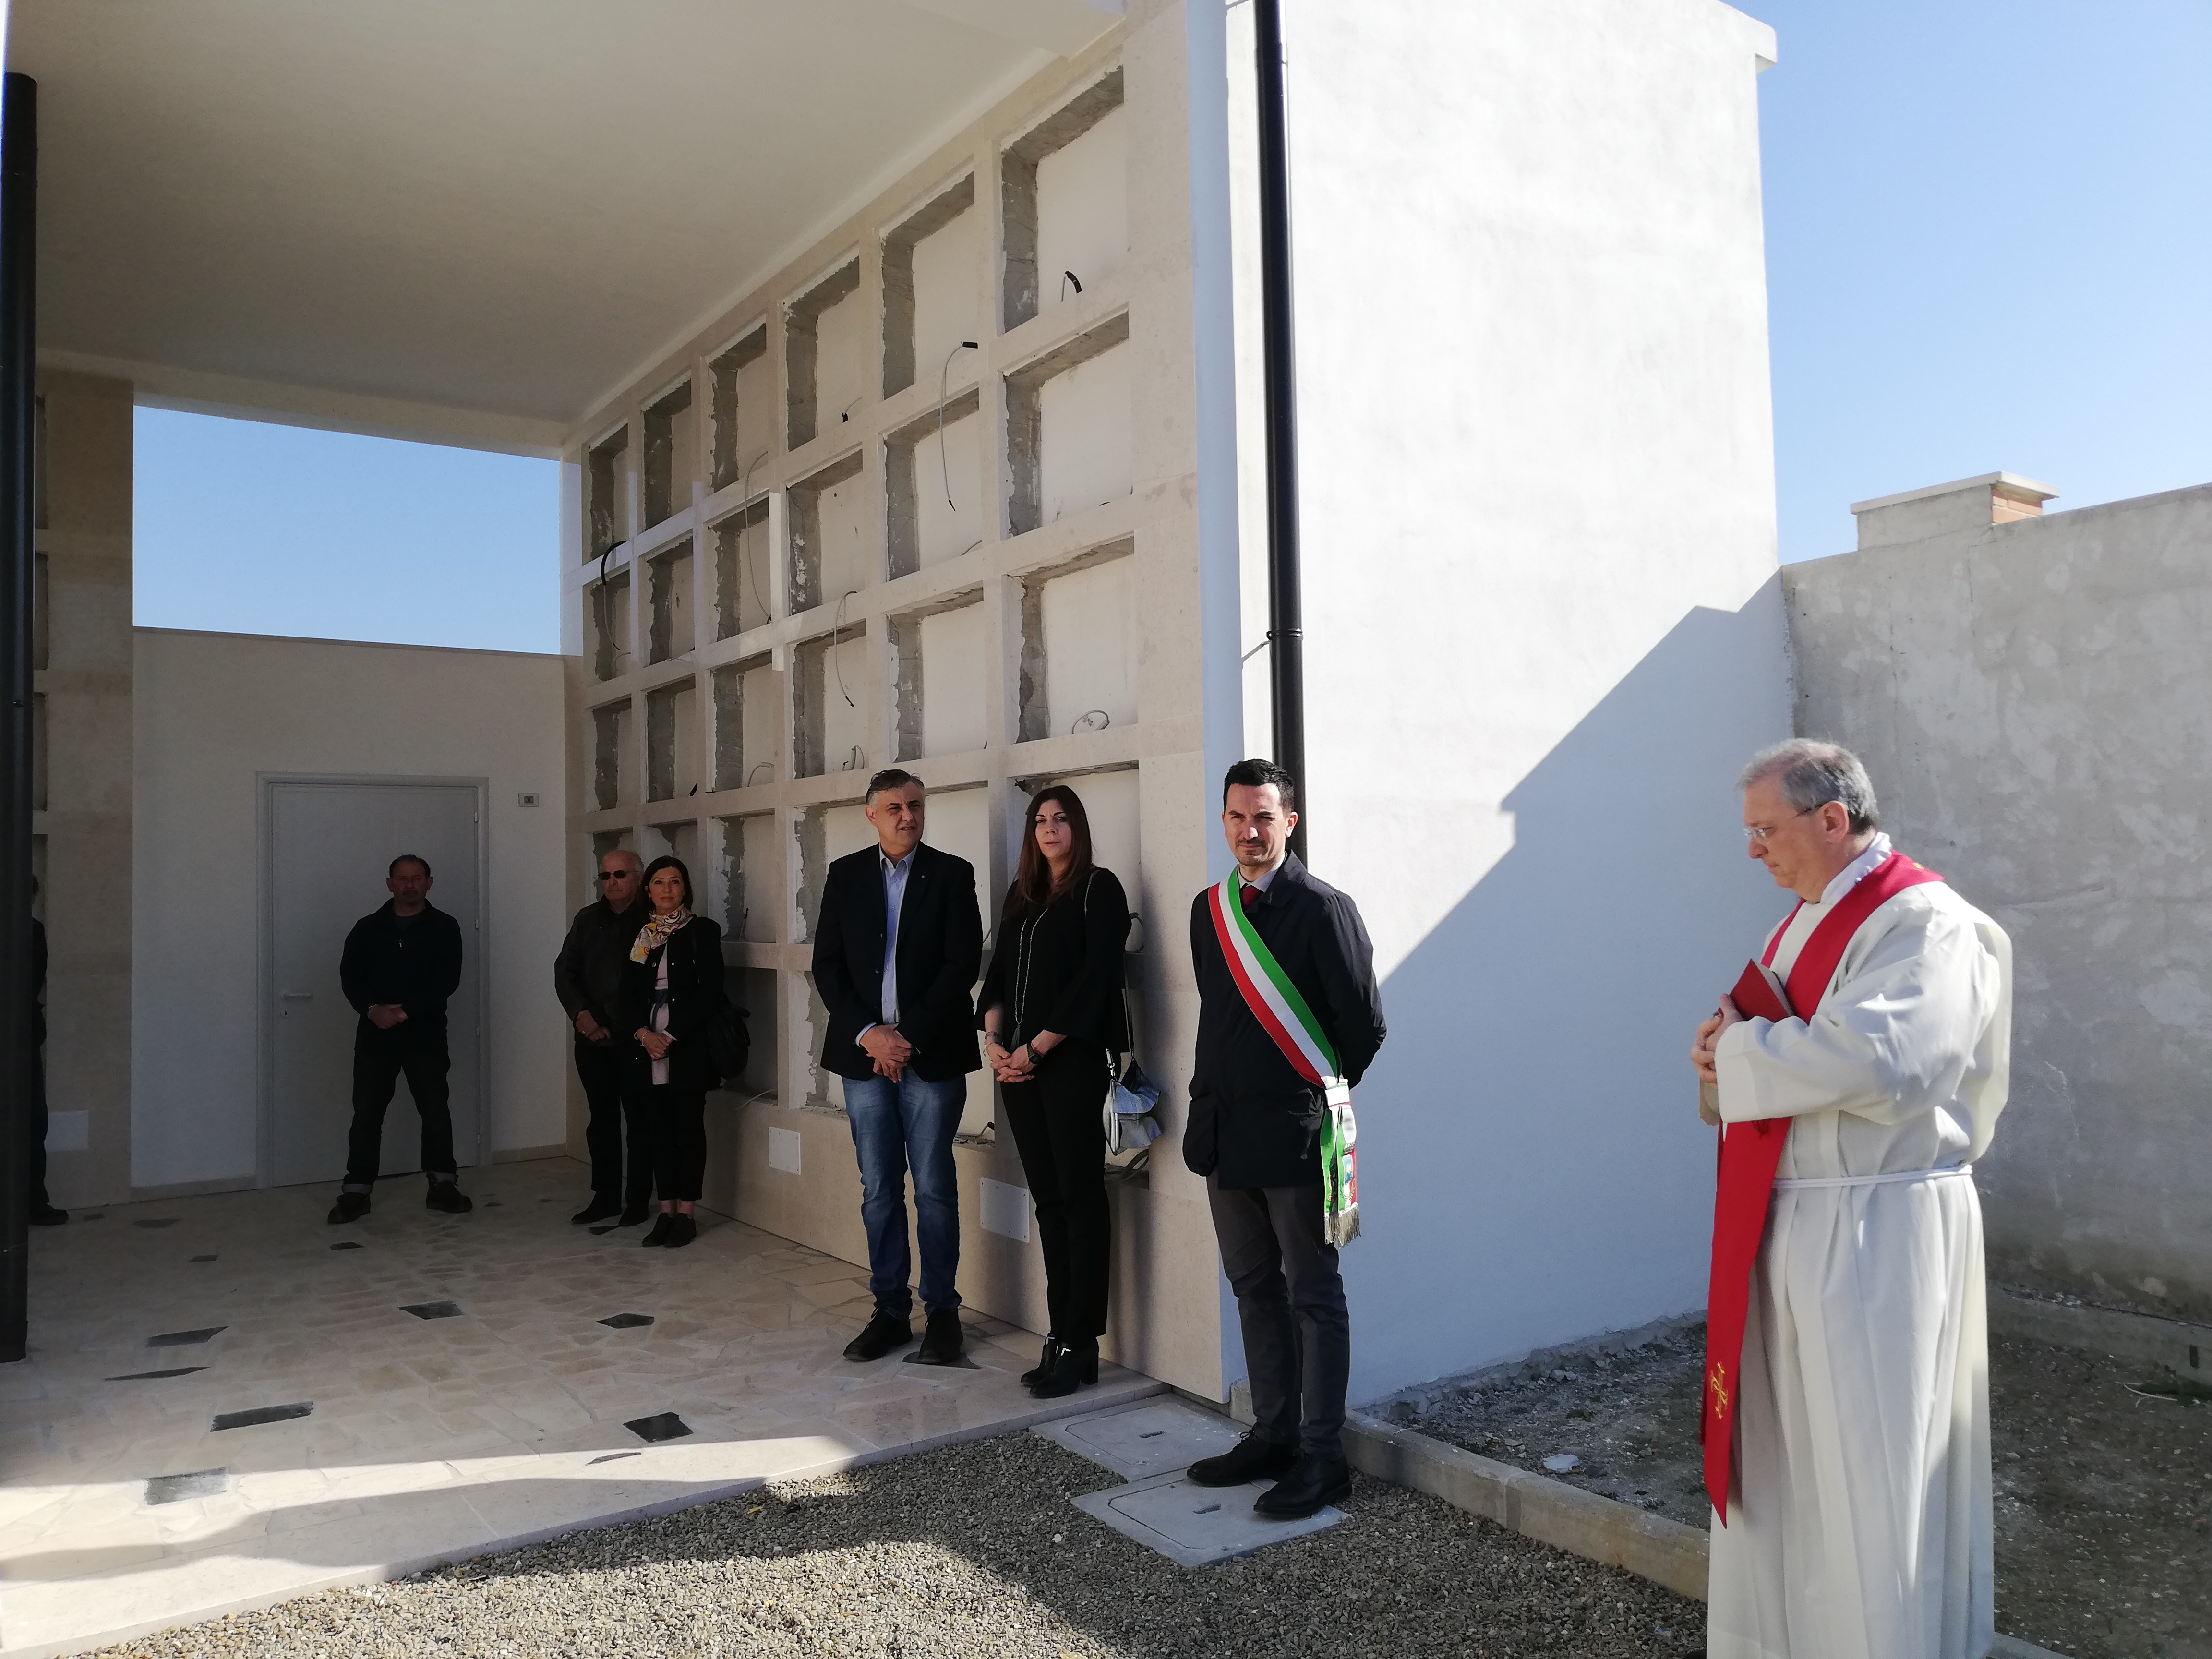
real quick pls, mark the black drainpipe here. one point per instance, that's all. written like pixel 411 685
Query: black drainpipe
pixel 1285 614
pixel 19 205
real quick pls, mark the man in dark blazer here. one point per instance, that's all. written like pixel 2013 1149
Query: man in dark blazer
pixel 1255 1132
pixel 588 977
pixel 402 965
pixel 896 952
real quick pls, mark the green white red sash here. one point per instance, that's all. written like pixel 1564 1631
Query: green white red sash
pixel 1283 1014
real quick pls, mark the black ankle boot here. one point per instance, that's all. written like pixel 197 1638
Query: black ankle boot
pixel 1043 1368
pixel 662 1228
pixel 1074 1365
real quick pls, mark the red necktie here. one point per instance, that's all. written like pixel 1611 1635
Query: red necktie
pixel 1249 895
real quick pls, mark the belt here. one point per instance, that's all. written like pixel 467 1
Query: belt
pixel 1895 1178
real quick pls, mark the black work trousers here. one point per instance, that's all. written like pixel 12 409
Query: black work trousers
pixel 376 1072
pixel 1059 1124
pixel 675 1124
pixel 1290 1304
pixel 599 1069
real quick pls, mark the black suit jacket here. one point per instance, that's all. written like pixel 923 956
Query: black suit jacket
pixel 940 950
pixel 418 967
pixel 697 991
pixel 1254 1121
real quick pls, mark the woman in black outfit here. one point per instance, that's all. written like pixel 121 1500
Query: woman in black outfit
pixel 671 987
pixel 1052 1030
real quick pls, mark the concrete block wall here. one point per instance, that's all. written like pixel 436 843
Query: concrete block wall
pixel 877 545
pixel 2030 697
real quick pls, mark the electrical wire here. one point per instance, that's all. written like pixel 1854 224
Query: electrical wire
pixel 1105 720
pixel 836 622
pixel 1065 277
pixel 744 525
pixel 943 375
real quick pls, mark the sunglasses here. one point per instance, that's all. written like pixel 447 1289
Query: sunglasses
pixel 617 875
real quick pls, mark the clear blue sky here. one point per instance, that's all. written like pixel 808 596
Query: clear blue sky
pixel 1989 237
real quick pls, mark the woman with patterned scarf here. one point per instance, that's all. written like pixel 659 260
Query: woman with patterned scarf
pixel 672 990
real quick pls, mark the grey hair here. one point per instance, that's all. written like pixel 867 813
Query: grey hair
pixel 1811 773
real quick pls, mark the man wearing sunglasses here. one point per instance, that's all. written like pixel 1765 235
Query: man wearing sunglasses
pixel 587 978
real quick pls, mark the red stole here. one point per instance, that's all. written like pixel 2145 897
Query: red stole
pixel 1750 1152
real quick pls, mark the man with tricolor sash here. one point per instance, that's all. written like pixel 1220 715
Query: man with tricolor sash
pixel 1856 1072
pixel 1289 1019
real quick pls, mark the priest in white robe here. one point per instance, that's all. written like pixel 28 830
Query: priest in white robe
pixel 1859 1521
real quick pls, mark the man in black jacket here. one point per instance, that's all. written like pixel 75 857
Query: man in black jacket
pixel 1255 1134
pixel 402 964
pixel 897 950
pixel 588 977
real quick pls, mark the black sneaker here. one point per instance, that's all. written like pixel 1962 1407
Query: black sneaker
pixel 941 1340
pixel 351 1206
pixel 1312 1485
pixel 881 1335
pixel 661 1230
pixel 447 1199
pixel 1250 1459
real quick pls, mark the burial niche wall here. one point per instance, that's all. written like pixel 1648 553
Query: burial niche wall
pixel 1069 442
pixel 1079 646
pixel 1064 204
pixel 741 429
pixel 669 436
pixel 826 340
pixel 942 679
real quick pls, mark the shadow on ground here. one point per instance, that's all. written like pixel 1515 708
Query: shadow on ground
pixel 976 1550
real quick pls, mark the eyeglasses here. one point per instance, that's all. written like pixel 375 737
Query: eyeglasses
pixel 1753 832
pixel 617 875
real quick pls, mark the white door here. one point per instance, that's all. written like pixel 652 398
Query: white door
pixel 331 843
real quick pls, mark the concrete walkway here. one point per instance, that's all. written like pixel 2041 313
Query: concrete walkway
pixel 222 1409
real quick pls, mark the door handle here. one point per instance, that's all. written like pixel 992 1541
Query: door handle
pixel 296 996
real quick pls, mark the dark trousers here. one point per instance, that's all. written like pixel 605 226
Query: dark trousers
pixel 675 1124
pixel 1290 1302
pixel 376 1072
pixel 599 1069
pixel 1059 1126
pixel 38 1199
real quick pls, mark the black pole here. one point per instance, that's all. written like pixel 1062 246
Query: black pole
pixel 19 214
pixel 1285 612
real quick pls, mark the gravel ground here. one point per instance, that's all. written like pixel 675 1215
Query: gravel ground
pixel 2103 1486
pixel 976 1550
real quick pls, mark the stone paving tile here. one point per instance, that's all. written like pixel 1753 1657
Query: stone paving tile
pixel 427 1436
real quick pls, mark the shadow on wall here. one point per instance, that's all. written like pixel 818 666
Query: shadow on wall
pixel 1532 1167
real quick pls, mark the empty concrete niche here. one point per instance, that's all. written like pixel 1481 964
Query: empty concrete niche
pixel 1079 639
pixel 1065 203
pixel 676 840
pixel 606 623
pixel 942 679
pixel 825 355
pixel 932 282
pixel 668 599
pixel 743 572
pixel 753 989
pixel 606 494
pixel 610 755
pixel 752 877
pixel 1068 435
pixel 743 432
pixel 823 834
pixel 830 707
pixel 747 706
pixel 811 1087
pixel 933 487
pixel 672 742
pixel 832 546
pixel 669 453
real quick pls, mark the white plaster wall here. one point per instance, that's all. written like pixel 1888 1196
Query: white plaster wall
pixel 2032 702
pixel 1083 210
pixel 1085 457
pixel 947 307
pixel 759 422
pixel 948 491
pixel 1091 637
pixel 1541 633
pixel 844 359
pixel 955 692
pixel 849 539
pixel 213 712
pixel 760 711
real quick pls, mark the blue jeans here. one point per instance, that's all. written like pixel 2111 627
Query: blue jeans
pixel 896 1125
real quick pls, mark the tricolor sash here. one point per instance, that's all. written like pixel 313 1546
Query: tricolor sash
pixel 1749 1154
pixel 1283 1014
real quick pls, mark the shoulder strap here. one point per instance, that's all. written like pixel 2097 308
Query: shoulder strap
pixel 1266 989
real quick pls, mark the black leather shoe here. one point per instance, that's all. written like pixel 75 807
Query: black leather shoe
pixel 1312 1485
pixel 634 1214
pixel 447 1199
pixel 1250 1459
pixel 351 1206
pixel 599 1209
pixel 1044 1369
pixel 661 1229
pixel 941 1340
pixel 682 1233
pixel 1075 1365
pixel 46 1215
pixel 879 1337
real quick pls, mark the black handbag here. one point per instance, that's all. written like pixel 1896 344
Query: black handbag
pixel 729 1044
